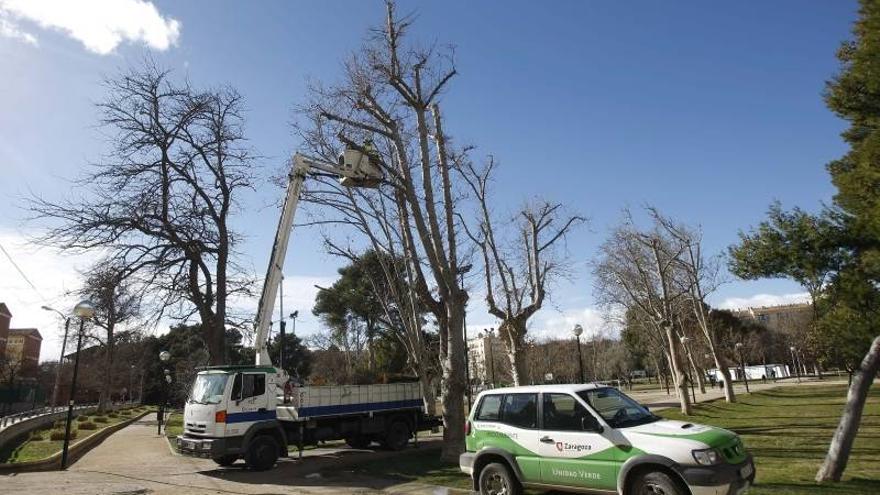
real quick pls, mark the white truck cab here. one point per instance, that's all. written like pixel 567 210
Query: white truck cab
pixel 596 439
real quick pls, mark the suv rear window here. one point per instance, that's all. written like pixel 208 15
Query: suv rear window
pixel 521 410
pixel 490 408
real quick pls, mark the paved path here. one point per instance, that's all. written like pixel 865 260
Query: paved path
pixel 136 461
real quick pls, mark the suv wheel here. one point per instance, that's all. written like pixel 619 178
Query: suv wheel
pixel 496 479
pixel 226 460
pixel 656 483
pixel 262 453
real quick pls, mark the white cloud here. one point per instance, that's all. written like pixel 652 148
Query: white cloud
pixel 555 324
pixel 759 300
pixel 100 25
pixel 54 276
pixel 9 29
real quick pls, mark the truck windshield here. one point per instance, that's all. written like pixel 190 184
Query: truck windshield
pixel 618 410
pixel 208 388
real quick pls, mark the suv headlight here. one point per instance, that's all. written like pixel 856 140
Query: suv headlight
pixel 707 457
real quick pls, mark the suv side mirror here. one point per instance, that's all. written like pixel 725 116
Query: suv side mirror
pixel 589 423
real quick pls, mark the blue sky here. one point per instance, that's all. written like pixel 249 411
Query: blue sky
pixel 709 111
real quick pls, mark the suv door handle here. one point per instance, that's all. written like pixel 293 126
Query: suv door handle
pixel 546 439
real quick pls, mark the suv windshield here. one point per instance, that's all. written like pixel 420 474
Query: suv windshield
pixel 208 388
pixel 617 409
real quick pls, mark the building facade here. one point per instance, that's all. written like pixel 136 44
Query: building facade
pixel 23 350
pixel 486 362
pixel 5 319
pixel 787 318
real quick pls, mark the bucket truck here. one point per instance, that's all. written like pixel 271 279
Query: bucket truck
pixel 255 412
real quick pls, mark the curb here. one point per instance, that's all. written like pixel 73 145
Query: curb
pixel 74 452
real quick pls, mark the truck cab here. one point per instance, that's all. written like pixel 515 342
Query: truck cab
pixel 230 409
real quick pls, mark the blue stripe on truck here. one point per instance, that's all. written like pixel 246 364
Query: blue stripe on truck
pixel 356 408
pixel 249 416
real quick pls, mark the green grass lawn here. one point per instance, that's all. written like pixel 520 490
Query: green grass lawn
pixel 787 429
pixel 32 449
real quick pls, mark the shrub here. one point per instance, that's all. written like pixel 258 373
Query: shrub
pixel 37 435
pixel 113 415
pixel 88 425
pixel 100 419
pixel 82 418
pixel 58 435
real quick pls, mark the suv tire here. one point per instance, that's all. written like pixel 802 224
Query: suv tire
pixel 226 460
pixel 655 483
pixel 496 479
pixel 262 453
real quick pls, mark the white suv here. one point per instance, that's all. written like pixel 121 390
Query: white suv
pixel 596 439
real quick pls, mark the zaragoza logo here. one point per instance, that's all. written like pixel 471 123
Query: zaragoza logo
pixel 563 446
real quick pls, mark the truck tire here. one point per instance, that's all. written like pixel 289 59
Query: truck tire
pixel 262 453
pixel 656 482
pixel 496 479
pixel 397 436
pixel 226 460
pixel 358 442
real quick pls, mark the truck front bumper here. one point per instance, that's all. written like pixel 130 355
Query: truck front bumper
pixel 202 447
pixel 724 479
pixel 466 463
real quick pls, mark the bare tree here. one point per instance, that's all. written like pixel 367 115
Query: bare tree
pixel 700 277
pixel 115 304
pixel 390 97
pixel 160 204
pixel 637 270
pixel 518 272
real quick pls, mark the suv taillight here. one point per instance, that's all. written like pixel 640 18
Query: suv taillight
pixel 467 428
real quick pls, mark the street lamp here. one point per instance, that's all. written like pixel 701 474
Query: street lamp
pixel 794 363
pixel 742 364
pixel 60 360
pixel 84 310
pixel 578 330
pixel 164 356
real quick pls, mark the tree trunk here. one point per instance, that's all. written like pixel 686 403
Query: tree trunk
pixel 453 384
pixel 841 444
pixel 104 400
pixel 428 393
pixel 512 331
pixel 678 371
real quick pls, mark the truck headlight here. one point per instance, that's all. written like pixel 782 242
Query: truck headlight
pixel 707 457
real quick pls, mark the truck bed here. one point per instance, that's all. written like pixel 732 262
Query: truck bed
pixel 340 400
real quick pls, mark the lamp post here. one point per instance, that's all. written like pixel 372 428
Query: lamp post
pixel 684 340
pixel 794 363
pixel 84 310
pixel 578 330
pixel 742 364
pixel 61 359
pixel 164 356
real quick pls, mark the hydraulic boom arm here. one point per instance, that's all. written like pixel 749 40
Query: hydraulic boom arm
pixel 355 170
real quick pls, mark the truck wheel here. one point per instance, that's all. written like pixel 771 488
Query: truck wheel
pixel 656 483
pixel 358 442
pixel 262 453
pixel 496 479
pixel 226 460
pixel 397 436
